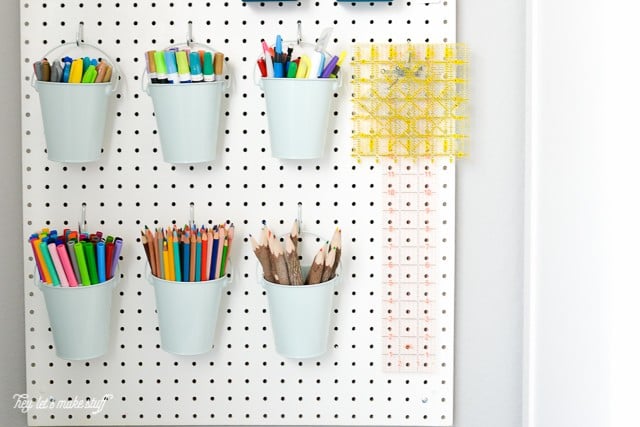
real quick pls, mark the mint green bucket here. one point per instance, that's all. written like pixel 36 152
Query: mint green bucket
pixel 74 118
pixel 80 317
pixel 187 313
pixel 298 115
pixel 188 119
pixel 300 317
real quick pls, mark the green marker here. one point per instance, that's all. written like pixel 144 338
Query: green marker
pixel 293 69
pixel 184 74
pixel 161 66
pixel 90 258
pixel 82 264
pixel 90 75
pixel 207 68
pixel 47 259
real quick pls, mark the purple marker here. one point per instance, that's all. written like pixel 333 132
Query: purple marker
pixel 116 255
pixel 329 68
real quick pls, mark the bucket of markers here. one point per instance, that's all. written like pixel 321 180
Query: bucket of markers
pixel 77 278
pixel 186 89
pixel 301 313
pixel 298 94
pixel 80 318
pixel 188 269
pixel 75 94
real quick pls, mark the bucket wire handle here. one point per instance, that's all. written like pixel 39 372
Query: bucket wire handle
pixel 115 78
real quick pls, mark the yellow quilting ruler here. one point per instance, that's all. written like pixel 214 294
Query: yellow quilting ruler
pixel 409 100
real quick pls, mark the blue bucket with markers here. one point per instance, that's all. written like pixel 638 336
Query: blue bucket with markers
pixel 80 317
pixel 298 115
pixel 188 119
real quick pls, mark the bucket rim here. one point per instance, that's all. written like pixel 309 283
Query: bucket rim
pixel 113 282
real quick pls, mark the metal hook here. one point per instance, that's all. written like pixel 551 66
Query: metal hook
pixel 299 39
pixel 82 225
pixel 189 33
pixel 192 215
pixel 300 216
pixel 80 34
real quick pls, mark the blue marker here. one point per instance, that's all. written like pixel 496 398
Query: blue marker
pixel 102 273
pixel 195 68
pixel 172 66
pixel 65 72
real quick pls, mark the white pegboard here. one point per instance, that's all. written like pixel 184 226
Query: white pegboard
pixel 242 381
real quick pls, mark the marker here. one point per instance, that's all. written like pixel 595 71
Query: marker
pixel 161 67
pixel 194 67
pixel 330 67
pixel 56 71
pixel 293 69
pixel 183 67
pixel 90 75
pixel 336 70
pixel 75 74
pixel 207 67
pixel 172 66
pixel 46 70
pixel 317 65
pixel 267 58
pixel 86 61
pixel 151 65
pixel 303 67
pixel 262 66
pixel 218 62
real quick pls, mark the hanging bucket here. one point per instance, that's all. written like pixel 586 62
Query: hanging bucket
pixel 74 115
pixel 187 313
pixel 79 317
pixel 298 115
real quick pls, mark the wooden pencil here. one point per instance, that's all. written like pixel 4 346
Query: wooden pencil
pixel 295 234
pixel 315 272
pixel 292 261
pixel 145 244
pixel 329 261
pixel 262 253
pixel 336 245
pixel 192 261
pixel 278 263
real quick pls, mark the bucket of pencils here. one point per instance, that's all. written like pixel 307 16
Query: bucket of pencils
pixel 188 303
pixel 300 295
pixel 298 88
pixel 74 99
pixel 186 89
pixel 77 281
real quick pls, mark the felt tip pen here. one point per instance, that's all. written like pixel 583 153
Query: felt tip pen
pixel 183 67
pixel 262 66
pixel 207 67
pixel 56 71
pixel 75 74
pixel 161 66
pixel 218 63
pixel 267 58
pixel 316 65
pixel 172 66
pixel 330 67
pixel 336 70
pixel 151 65
pixel 303 67
pixel 194 67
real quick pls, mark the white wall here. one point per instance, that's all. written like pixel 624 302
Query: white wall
pixel 490 221
pixel 583 214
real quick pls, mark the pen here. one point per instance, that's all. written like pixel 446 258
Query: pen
pixel 183 66
pixel 267 58
pixel 218 62
pixel 66 264
pixel 172 66
pixel 74 259
pixel 82 264
pixel 116 255
pixel 194 66
pixel 207 67
pixel 75 73
pixel 90 259
pixel 262 66
pixel 330 67
pixel 336 70
pixel 151 65
pixel 161 67
pixel 100 255
pixel 53 252
pixel 49 263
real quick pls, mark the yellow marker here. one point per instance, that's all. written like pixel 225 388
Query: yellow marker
pixel 303 67
pixel 75 75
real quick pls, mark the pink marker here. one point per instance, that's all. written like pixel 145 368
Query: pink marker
pixel 66 264
pixel 53 251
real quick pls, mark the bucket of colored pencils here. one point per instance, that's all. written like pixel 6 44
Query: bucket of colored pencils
pixel 300 289
pixel 77 277
pixel 74 97
pixel 188 281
